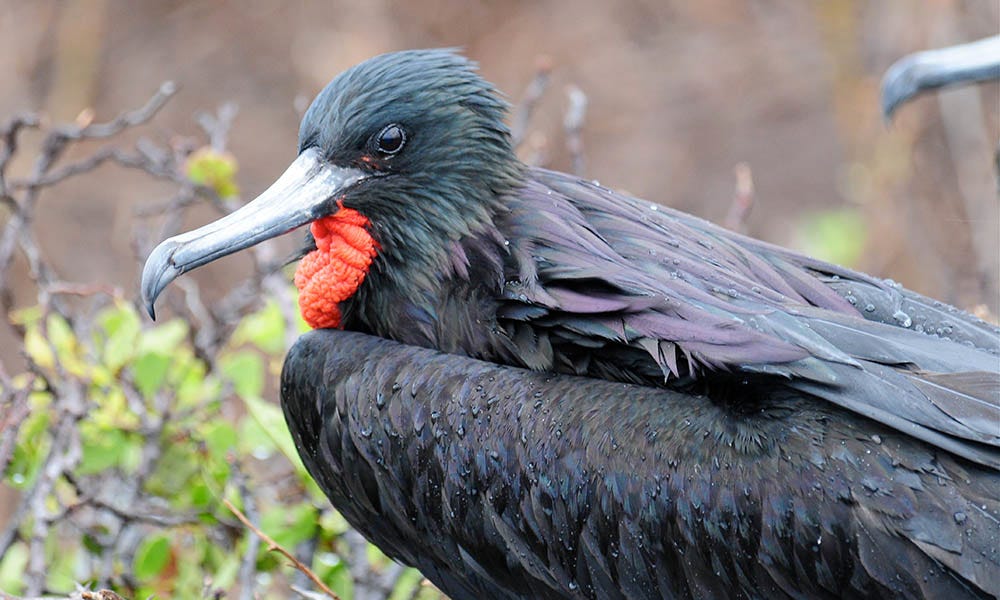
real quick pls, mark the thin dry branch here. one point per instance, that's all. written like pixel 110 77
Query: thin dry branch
pixel 743 199
pixel 573 125
pixel 529 102
pixel 273 546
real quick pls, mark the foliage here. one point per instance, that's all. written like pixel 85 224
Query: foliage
pixel 220 437
pixel 124 439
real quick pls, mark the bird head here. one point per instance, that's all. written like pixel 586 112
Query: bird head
pixel 398 156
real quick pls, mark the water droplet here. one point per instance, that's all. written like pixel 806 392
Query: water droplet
pixel 853 301
pixel 960 517
pixel 902 318
pixel 380 400
pixel 869 307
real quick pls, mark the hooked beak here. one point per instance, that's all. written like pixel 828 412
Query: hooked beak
pixel 305 192
pixel 907 77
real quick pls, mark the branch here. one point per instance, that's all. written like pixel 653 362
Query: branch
pixel 743 199
pixel 273 546
pixel 573 124
pixel 532 95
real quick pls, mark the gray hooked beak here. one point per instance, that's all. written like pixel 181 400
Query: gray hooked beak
pixel 306 191
pixel 907 77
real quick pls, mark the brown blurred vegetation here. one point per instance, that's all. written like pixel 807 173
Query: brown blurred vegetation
pixel 679 94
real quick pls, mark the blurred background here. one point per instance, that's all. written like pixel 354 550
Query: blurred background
pixel 679 94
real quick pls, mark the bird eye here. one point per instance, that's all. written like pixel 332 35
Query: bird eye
pixel 391 139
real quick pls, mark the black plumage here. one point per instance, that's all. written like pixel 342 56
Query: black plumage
pixel 499 482
pixel 708 415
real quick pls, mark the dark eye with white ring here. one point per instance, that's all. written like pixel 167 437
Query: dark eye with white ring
pixel 390 140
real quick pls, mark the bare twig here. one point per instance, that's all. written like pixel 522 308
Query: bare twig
pixel 743 199
pixel 9 134
pixel 217 126
pixel 248 566
pixel 532 95
pixel 573 124
pixel 14 410
pixel 273 546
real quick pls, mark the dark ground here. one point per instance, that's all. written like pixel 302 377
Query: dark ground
pixel 679 93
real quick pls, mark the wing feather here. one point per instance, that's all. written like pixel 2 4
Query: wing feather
pixel 603 272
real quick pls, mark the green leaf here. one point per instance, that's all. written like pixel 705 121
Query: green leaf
pixel 213 169
pixel 201 495
pixel 152 556
pixel 32 446
pixel 60 334
pixel 12 566
pixel 406 585
pixel 178 466
pixel 220 437
pixel 291 526
pixel 264 329
pixel 836 236
pixel 272 421
pixel 246 370
pixel 150 371
pixel 163 338
pixel 119 327
pixel 225 574
pixel 102 449
pixel 38 349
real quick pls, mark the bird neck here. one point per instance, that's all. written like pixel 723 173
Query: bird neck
pixel 397 259
pixel 416 287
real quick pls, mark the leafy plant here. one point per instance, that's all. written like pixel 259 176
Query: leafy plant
pixel 149 459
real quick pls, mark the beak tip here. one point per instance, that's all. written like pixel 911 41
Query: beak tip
pixel 158 271
pixel 900 83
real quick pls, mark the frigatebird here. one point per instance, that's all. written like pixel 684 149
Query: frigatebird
pixel 528 385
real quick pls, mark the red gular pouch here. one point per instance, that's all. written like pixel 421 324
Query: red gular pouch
pixel 334 271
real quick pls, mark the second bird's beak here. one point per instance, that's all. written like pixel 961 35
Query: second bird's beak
pixel 306 191
pixel 931 69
